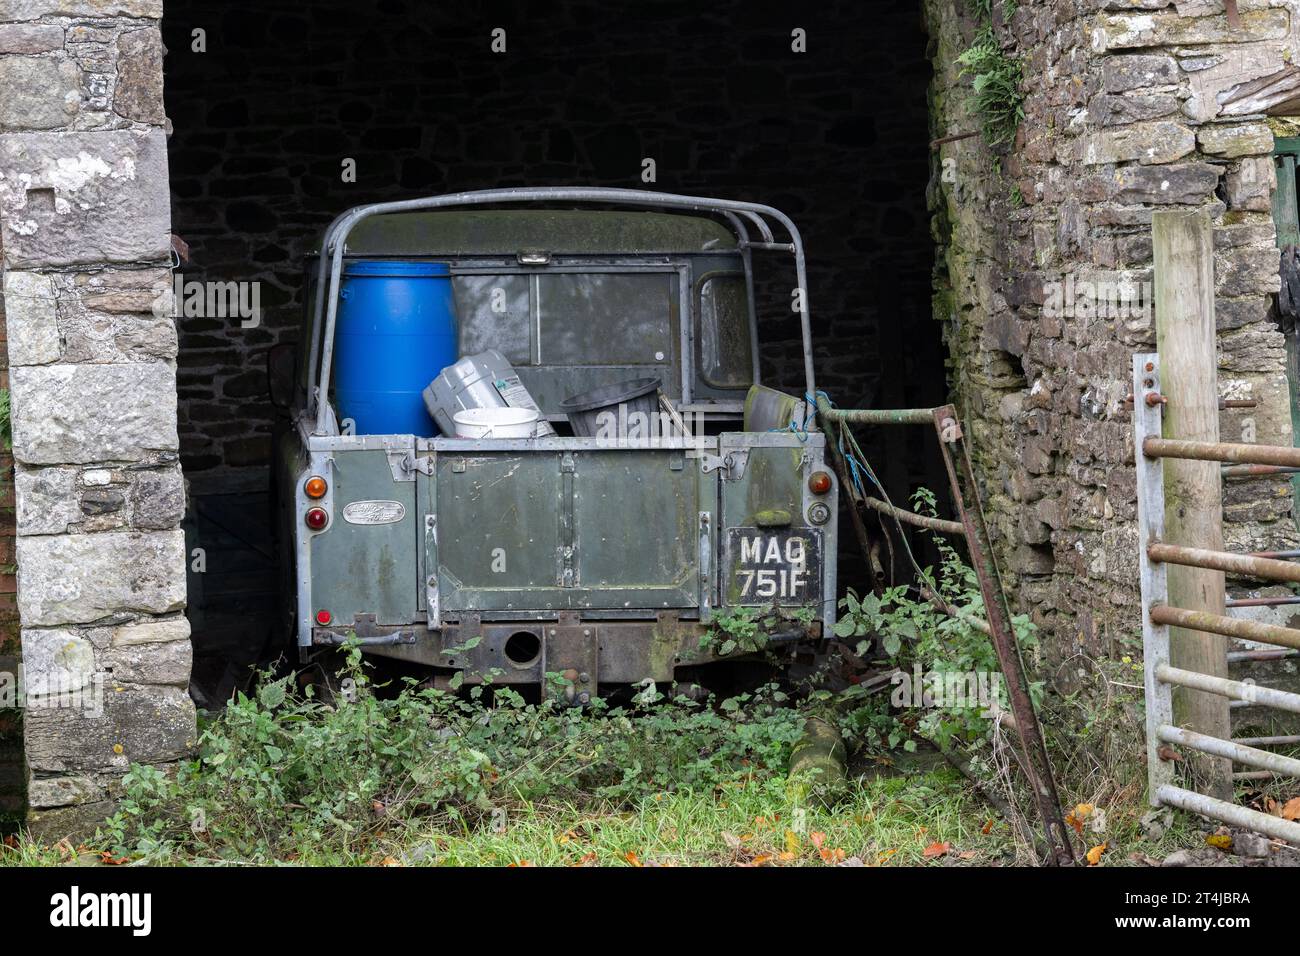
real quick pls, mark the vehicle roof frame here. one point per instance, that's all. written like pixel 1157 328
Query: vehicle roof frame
pixel 734 211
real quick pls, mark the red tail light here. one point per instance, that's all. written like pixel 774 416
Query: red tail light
pixel 819 482
pixel 316 518
pixel 323 617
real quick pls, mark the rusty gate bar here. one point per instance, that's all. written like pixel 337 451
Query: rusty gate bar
pixel 1232 689
pixel 1243 564
pixel 1194 802
pixel 1155 447
pixel 1256 471
pixel 1264 601
pixel 910 517
pixel 1036 764
pixel 1228 626
pixel 874 416
pixel 1239 753
pixel 1270 654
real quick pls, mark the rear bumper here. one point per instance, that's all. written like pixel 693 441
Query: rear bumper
pixel 524 652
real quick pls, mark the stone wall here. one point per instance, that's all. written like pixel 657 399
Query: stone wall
pixel 1122 117
pixel 13 771
pixel 92 348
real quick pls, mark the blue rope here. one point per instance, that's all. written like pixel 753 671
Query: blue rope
pixel 801 431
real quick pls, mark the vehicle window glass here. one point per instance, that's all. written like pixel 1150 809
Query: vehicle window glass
pixel 606 318
pixel 724 344
pixel 492 312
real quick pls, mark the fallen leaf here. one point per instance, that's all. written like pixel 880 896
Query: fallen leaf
pixel 588 859
pixel 632 858
pixel 832 856
pixel 966 855
pixel 107 858
pixel 1076 816
pixel 731 840
pixel 987 828
pixel 785 856
pixel 391 861
pixel 1220 841
pixel 884 855
pixel 1291 809
pixel 1094 855
pixel 791 842
pixel 818 838
pixel 761 860
pixel 936 849
pixel 520 863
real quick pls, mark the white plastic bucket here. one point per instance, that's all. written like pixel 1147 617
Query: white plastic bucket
pixel 501 422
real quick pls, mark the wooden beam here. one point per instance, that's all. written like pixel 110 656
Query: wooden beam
pixel 1269 94
pixel 1185 337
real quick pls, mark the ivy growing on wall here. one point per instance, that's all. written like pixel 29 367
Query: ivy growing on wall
pixel 995 78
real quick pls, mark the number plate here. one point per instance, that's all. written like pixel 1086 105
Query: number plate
pixel 774 566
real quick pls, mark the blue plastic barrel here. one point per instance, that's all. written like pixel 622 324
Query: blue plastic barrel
pixel 396 332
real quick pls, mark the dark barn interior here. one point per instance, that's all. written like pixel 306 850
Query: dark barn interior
pixel 265 116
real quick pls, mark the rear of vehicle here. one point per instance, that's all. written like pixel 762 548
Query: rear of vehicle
pixel 600 559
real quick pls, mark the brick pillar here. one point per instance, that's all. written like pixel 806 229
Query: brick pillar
pixel 92 352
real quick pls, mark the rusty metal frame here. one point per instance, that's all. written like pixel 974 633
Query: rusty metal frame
pixel 1158 616
pixel 997 624
pixel 1036 765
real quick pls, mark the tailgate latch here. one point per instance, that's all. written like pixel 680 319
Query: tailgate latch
pixel 732 464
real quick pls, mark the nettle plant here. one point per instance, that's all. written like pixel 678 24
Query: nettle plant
pixel 745 630
pixel 282 774
pixel 916 635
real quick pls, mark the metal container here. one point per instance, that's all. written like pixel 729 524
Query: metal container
pixel 485 380
pixel 637 395
pixel 396 329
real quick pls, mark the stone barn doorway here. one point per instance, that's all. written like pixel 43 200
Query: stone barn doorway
pixel 274 106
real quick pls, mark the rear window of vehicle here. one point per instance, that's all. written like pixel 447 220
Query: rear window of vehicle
pixel 559 318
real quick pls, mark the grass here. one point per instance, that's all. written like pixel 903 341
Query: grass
pixel 883 821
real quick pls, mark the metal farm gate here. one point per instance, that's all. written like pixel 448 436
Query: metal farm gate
pixel 1158 616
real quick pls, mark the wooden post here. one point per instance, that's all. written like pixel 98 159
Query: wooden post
pixel 1185 338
